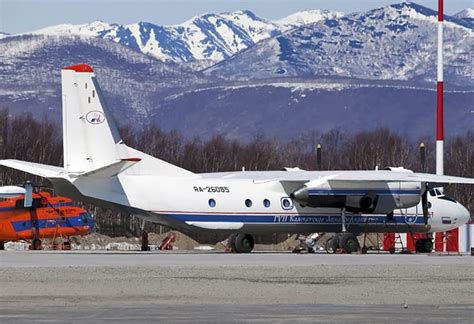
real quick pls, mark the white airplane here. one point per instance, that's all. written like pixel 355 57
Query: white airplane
pixel 100 168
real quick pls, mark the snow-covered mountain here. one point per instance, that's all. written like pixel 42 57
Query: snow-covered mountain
pixel 30 74
pixel 396 42
pixel 210 37
pixel 466 15
pixel 207 37
pixel 2 35
pixel 307 17
pixel 354 72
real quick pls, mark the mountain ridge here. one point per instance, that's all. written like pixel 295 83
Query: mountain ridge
pixel 396 42
pixel 312 78
pixel 208 36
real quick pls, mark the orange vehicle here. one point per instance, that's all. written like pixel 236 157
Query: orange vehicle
pixel 48 217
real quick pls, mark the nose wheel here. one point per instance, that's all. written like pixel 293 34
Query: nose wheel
pixel 424 245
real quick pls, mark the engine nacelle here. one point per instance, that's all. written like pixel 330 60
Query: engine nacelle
pixel 366 197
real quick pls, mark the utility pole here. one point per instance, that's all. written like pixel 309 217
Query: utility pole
pixel 439 108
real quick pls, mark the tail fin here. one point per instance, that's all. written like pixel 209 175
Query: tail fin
pixel 89 133
pixel 90 136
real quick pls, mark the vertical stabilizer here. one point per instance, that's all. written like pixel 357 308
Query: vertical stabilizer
pixel 91 139
pixel 89 133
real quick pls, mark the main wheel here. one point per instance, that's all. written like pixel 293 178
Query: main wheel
pixel 349 243
pixel 244 243
pixel 231 242
pixel 333 243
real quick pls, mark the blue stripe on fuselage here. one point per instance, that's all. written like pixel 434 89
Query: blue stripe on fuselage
pixel 302 219
pixel 357 192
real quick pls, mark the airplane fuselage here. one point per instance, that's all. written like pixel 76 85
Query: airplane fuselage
pixel 231 202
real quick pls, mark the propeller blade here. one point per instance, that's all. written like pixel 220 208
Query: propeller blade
pixel 424 204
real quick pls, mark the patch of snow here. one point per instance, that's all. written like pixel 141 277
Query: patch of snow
pixel 466 13
pixel 204 248
pixel 17 246
pixel 91 29
pixel 307 17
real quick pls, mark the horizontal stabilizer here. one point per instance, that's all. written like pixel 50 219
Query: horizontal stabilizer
pixel 42 170
pixel 112 169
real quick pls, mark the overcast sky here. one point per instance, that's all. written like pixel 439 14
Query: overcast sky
pixel 17 16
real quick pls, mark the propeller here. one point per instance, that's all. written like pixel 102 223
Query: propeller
pixel 424 203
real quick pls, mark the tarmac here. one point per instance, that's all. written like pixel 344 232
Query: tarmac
pixel 211 287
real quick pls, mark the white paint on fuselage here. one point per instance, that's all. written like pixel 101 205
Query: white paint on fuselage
pixel 163 197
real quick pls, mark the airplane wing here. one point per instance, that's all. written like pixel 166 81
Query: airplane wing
pixel 432 180
pixel 301 177
pixel 367 191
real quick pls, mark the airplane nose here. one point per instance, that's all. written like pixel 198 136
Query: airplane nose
pixel 463 215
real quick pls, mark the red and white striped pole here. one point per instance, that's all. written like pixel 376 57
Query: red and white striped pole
pixel 439 108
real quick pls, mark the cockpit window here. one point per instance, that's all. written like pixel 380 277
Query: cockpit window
pixel 447 198
pixel 86 218
pixel 432 192
pixel 438 193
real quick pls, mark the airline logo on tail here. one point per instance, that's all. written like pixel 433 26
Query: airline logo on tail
pixel 95 117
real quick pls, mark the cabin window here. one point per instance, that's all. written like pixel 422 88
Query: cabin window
pixel 93 93
pixel 89 99
pixel 286 203
pixel 212 203
pixel 85 85
pixel 248 203
pixel 266 203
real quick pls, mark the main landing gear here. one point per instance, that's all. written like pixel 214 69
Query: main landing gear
pixel 241 243
pixel 346 242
